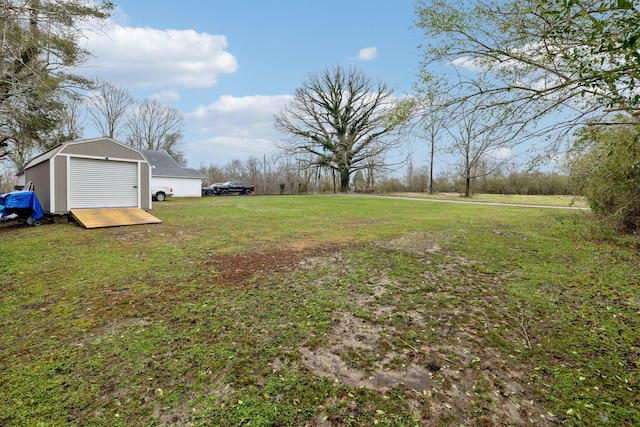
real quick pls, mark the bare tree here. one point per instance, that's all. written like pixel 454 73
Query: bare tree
pixel 235 169
pixel 416 177
pixel 212 173
pixel 432 119
pixel 109 106
pixel 253 168
pixel 572 60
pixel 71 123
pixel 339 119
pixel 154 126
pixel 480 136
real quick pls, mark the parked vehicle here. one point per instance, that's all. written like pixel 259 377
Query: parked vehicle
pixel 208 191
pixel 230 187
pixel 159 194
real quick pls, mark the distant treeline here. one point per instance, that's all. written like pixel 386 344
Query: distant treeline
pixel 278 176
pixel 515 182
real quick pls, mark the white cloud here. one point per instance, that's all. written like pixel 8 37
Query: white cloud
pixel 221 150
pixel 166 96
pixel 240 127
pixel 368 54
pixel 467 63
pixel 500 153
pixel 147 57
pixel 227 104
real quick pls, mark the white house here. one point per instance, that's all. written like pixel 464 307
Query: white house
pixel 167 172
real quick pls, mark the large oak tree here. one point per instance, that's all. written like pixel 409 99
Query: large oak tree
pixel 341 120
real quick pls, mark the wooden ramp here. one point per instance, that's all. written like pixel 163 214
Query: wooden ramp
pixel 112 217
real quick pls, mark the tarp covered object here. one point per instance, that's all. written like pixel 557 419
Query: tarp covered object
pixel 25 204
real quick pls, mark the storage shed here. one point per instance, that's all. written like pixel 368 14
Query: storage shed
pixel 90 173
pixel 165 171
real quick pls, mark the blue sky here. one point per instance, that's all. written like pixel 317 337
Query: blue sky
pixel 228 66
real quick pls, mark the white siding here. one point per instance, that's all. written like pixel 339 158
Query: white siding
pixel 182 187
pixel 97 183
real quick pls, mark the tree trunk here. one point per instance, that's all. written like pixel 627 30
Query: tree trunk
pixel 344 180
pixel 431 167
pixel 467 186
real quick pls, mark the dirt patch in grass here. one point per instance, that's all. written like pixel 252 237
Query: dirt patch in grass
pixel 357 337
pixel 417 242
pixel 447 373
pixel 430 340
pixel 246 269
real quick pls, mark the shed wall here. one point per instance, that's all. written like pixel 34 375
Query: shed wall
pixel 102 148
pixel 145 186
pixel 39 175
pixel 60 184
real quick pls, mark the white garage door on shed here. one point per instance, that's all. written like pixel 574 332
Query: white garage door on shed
pixel 95 183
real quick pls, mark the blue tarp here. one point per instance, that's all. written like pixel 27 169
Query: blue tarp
pixel 23 203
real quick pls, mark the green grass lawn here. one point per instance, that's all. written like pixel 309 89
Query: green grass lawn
pixel 321 311
pixel 517 199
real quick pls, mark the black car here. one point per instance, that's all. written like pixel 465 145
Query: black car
pixel 229 187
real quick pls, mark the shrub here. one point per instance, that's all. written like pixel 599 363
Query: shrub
pixel 606 170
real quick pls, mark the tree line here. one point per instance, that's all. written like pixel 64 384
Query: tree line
pixel 278 174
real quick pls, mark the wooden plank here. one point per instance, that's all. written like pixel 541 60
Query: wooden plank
pixel 112 217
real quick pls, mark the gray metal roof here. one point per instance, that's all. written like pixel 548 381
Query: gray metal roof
pixel 164 165
pixel 52 152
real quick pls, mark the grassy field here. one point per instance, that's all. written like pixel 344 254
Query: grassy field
pixel 516 199
pixel 321 311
